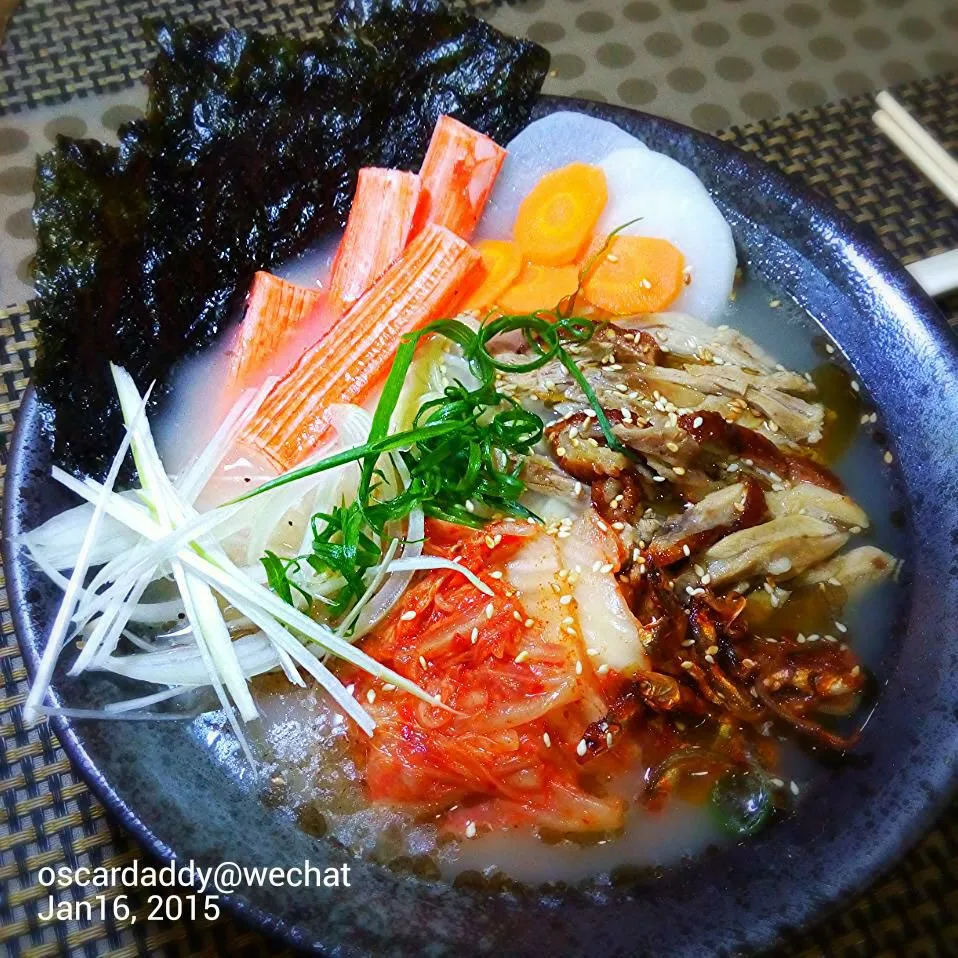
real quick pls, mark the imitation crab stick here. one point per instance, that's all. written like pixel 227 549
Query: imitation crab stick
pixel 501 264
pixel 436 271
pixel 274 309
pixel 556 219
pixel 379 226
pixel 635 274
pixel 457 175
pixel 539 287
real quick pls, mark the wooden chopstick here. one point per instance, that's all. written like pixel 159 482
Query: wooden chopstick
pixel 936 274
pixel 924 151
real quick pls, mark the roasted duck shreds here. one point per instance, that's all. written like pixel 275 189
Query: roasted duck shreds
pixel 721 487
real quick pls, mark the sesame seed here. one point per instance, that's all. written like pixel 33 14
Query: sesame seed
pixel 470 506
pixel 841 626
pixel 712 650
pixel 603 669
pixel 679 470
pixel 490 542
pixel 371 696
pixel 408 616
pixel 889 458
pixel 778 783
pixel 560 451
pixel 612 258
pixel 706 579
pixel 422 662
pixel 516 616
pixel 578 667
pixel 577 488
pixel 565 600
pixel 528 623
pixel 855 387
pixel 581 748
pixel 686 550
pixel 607 568
pixel 471 830
pixel 609 739
pixel 437 698
pixel 547 739
pixel 495 575
pixel 686 664
pixel 474 636
pixel 521 657
pixel 490 609
pixel 774 303
pixel 389 687
pixel 793 787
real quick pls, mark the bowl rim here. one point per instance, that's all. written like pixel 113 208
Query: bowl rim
pixel 891 271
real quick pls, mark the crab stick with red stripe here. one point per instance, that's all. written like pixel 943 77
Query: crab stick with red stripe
pixel 435 273
pixel 274 311
pixel 457 176
pixel 380 223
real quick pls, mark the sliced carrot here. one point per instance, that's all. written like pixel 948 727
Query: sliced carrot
pixel 274 310
pixel 457 175
pixel 436 271
pixel 501 263
pixel 557 218
pixel 539 287
pixel 635 274
pixel 380 223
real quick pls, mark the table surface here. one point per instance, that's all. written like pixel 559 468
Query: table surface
pixel 733 64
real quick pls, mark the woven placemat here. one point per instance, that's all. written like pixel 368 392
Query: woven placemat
pixel 51 817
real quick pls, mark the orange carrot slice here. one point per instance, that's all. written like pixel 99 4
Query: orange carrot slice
pixel 457 175
pixel 557 218
pixel 431 277
pixel 539 287
pixel 501 262
pixel 274 310
pixel 379 225
pixel 635 274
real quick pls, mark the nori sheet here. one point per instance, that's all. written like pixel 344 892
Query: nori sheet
pixel 246 156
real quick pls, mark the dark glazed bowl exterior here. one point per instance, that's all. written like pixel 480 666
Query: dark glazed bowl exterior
pixel 161 782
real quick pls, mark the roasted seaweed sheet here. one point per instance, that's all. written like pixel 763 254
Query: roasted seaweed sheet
pixel 247 155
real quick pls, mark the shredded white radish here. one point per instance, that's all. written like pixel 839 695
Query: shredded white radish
pixel 199 472
pixel 183 665
pixel 103 714
pixel 433 562
pixel 131 704
pixel 61 623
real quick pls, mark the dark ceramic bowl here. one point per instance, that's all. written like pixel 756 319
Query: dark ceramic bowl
pixel 162 783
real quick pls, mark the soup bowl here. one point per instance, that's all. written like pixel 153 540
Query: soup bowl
pixel 178 789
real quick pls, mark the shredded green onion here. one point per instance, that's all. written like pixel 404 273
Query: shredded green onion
pixel 463 453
